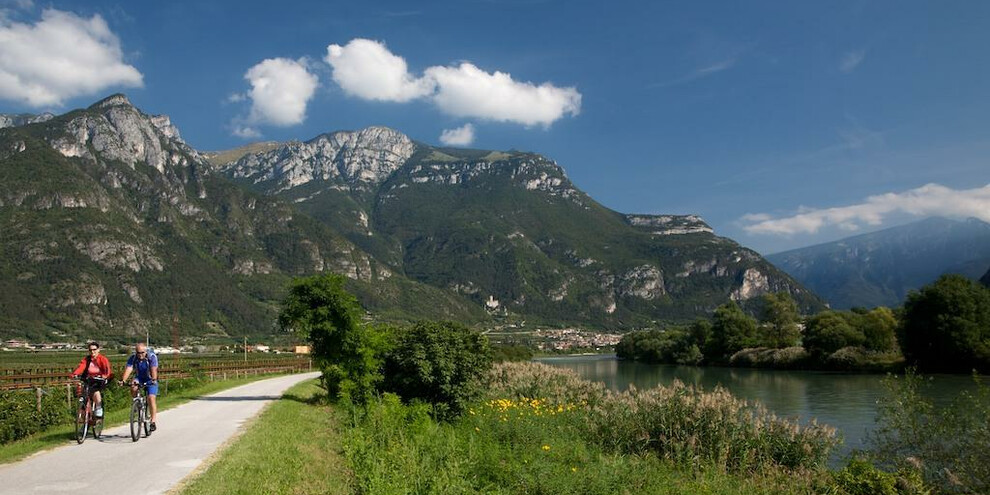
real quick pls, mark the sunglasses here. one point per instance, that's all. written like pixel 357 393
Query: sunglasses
pixel 91 349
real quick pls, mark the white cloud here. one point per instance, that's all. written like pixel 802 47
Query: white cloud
pixel 280 91
pixel 928 200
pixel 467 91
pixel 461 136
pixel 246 132
pixel 60 57
pixel 851 60
pixel 368 70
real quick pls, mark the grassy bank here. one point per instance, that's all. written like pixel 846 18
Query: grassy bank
pixel 505 444
pixel 64 434
pixel 293 447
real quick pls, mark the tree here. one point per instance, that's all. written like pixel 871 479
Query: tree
pixel 879 327
pixel 732 331
pixel 780 317
pixel 441 363
pixel 946 326
pixel 345 349
pixel 829 331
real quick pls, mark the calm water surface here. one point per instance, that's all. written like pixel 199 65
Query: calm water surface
pixel 843 400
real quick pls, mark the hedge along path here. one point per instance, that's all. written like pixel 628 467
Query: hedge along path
pixel 187 435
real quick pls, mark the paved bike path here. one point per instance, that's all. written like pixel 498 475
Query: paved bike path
pixel 112 465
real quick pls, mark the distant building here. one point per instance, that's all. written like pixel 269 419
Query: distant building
pixel 491 304
pixel 302 349
pixel 262 348
pixel 16 344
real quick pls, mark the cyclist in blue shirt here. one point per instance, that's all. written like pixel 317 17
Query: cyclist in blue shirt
pixel 145 363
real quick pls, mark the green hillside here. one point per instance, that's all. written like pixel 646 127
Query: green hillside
pixel 101 248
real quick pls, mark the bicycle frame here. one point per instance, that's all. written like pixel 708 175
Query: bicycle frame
pixel 85 418
pixel 140 419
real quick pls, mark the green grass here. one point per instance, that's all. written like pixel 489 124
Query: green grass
pixel 299 445
pixel 64 434
pixel 293 447
pixel 395 448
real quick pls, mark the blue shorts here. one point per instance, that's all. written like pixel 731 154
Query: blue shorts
pixel 152 387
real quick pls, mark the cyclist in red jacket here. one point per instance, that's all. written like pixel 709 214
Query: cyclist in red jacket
pixel 95 365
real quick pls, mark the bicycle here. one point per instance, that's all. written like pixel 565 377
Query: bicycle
pixel 140 419
pixel 85 417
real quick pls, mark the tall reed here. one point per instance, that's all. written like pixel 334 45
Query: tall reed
pixel 679 422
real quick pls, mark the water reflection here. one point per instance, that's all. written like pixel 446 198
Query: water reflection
pixel 844 400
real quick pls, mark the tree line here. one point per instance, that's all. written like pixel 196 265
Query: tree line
pixel 943 327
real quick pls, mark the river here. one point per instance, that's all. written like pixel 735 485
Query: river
pixel 846 401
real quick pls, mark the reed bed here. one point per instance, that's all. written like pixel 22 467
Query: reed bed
pixel 679 422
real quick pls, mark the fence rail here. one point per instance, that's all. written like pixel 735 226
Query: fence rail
pixel 27 378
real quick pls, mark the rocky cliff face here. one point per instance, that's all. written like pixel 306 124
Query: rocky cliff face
pixel 669 224
pixel 358 159
pixel 115 130
pixel 513 226
pixel 15 120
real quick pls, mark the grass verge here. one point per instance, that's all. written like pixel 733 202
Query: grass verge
pixel 63 434
pixel 292 448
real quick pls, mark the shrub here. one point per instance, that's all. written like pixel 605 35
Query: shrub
pixel 19 416
pixel 950 444
pixel 762 357
pixel 860 477
pixel 440 363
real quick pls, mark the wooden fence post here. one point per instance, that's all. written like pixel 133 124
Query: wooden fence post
pixel 68 395
pixel 37 392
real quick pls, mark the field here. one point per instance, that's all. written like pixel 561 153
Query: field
pixel 20 370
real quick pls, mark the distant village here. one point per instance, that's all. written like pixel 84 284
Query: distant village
pixel 21 345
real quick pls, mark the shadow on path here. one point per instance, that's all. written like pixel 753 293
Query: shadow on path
pixel 116 438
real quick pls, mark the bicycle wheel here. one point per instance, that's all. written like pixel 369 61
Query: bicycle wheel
pixel 146 420
pixel 82 422
pixel 97 427
pixel 135 421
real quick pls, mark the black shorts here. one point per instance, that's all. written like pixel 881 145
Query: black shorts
pixel 96 384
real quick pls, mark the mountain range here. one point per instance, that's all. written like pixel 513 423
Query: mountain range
pixel 114 226
pixel 880 268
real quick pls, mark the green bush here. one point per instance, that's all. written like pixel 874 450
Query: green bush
pixel 860 477
pixel 762 357
pixel 950 444
pixel 440 363
pixel 19 416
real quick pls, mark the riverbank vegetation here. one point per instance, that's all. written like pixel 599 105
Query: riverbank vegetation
pixel 425 410
pixel 943 327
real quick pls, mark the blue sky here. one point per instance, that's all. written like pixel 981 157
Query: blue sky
pixel 782 123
